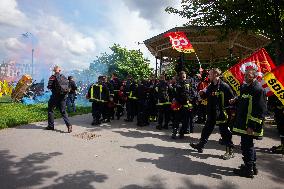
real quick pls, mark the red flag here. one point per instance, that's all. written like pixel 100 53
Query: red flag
pixel 180 42
pixel 275 81
pixel 259 60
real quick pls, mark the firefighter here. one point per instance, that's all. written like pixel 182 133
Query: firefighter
pixel 278 108
pixel 163 104
pixel 153 113
pixel 99 94
pixel 116 84
pixel 94 95
pixel 143 96
pixel 218 94
pixel 131 104
pixel 106 99
pixel 182 107
pixel 251 109
pixel 202 103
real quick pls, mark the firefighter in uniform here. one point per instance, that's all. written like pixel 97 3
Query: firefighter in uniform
pixel 131 104
pixel 94 96
pixel 182 107
pixel 278 108
pixel 251 108
pixel 202 103
pixel 164 104
pixel 143 95
pixel 116 84
pixel 99 95
pixel 152 84
pixel 218 94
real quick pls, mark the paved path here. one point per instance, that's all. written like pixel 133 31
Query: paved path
pixel 121 156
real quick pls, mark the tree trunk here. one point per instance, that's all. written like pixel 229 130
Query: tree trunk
pixel 279 37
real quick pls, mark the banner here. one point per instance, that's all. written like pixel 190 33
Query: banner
pixel 275 81
pixel 260 61
pixel 180 42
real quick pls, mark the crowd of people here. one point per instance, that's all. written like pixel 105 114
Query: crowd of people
pixel 179 103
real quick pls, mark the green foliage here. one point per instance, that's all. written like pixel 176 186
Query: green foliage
pixel 260 16
pixel 13 114
pixel 124 62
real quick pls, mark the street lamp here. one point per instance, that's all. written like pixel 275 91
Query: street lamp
pixel 29 35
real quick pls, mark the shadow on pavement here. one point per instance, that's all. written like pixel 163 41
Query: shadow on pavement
pixel 272 164
pixel 25 173
pixel 156 182
pixel 179 161
pixel 80 179
pixel 29 172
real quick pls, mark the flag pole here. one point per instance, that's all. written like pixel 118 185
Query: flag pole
pixel 197 60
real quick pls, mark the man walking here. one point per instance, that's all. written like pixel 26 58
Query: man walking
pixel 59 86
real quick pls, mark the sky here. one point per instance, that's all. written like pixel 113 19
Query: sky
pixel 71 33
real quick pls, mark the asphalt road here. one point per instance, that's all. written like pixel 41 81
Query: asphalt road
pixel 121 156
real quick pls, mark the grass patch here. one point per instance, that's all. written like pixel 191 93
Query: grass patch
pixel 13 114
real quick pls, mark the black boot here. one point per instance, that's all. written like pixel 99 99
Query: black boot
pixel 245 171
pixel 229 153
pixel 159 127
pixel 166 126
pixel 95 122
pixel 174 134
pixel 181 134
pixel 254 168
pixel 198 146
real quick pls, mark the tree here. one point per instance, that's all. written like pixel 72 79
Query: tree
pixel 261 16
pixel 125 62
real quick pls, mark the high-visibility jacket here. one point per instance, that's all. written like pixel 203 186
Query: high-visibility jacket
pixel 163 94
pixel 99 93
pixel 218 97
pixel 250 110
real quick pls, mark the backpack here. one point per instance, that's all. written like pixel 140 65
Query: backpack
pixel 62 84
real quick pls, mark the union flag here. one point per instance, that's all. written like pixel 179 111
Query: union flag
pixel 180 42
pixel 260 61
pixel 275 81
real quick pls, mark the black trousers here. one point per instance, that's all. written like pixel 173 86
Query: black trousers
pixel 225 132
pixel 185 117
pixel 248 150
pixel 131 108
pixel 201 112
pixel 96 110
pixel 142 112
pixel 60 103
pixel 164 114
pixel 279 119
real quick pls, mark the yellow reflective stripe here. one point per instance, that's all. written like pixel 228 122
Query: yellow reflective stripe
pixel 255 119
pixel 245 132
pixel 226 118
pixel 188 106
pixel 165 103
pixel 92 92
pixel 280 107
pixel 249 106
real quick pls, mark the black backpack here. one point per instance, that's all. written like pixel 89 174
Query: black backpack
pixel 62 84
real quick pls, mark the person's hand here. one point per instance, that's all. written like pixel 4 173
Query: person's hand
pixel 232 101
pixel 249 131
